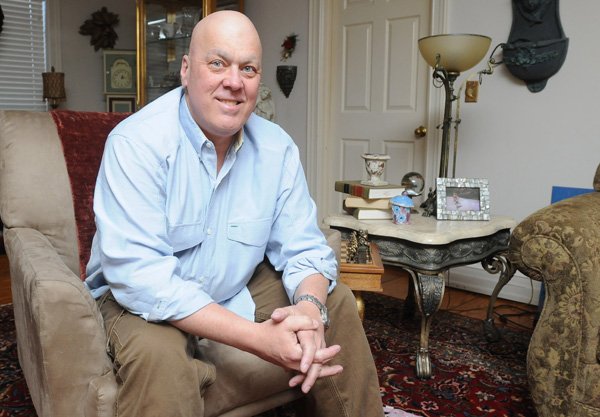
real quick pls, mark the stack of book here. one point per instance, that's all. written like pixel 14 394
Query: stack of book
pixel 368 202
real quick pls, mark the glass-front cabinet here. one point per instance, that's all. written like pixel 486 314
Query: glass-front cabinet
pixel 164 29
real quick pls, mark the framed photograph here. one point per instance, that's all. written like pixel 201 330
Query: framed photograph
pixel 120 104
pixel 463 199
pixel 119 71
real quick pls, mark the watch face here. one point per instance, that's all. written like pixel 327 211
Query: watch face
pixel 121 75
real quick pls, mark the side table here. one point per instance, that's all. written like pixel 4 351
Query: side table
pixel 427 248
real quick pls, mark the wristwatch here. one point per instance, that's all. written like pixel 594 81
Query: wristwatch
pixel 322 308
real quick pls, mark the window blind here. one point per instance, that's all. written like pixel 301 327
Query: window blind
pixel 22 55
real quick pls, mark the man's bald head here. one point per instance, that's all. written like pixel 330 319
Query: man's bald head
pixel 224 23
pixel 221 73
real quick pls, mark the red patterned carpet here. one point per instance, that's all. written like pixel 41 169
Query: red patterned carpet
pixel 471 377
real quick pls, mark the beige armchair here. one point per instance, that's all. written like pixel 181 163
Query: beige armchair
pixel 560 245
pixel 46 188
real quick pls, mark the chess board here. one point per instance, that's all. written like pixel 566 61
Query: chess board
pixel 362 277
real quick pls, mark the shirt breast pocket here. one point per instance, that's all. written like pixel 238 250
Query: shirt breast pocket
pixel 185 236
pixel 253 232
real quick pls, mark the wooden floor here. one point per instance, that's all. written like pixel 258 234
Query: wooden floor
pixel 395 284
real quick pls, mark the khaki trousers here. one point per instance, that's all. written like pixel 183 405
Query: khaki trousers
pixel 159 375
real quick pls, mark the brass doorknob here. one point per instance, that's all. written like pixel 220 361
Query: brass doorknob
pixel 420 131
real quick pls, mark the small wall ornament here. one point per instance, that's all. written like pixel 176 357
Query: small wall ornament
pixel 289 46
pixel 286 77
pixel 100 27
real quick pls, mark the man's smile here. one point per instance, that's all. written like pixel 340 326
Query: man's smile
pixel 229 102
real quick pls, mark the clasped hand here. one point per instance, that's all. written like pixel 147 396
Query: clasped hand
pixel 297 342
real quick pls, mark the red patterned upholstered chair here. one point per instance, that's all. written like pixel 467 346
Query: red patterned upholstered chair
pixel 48 166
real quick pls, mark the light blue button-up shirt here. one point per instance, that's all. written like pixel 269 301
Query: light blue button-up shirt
pixel 173 236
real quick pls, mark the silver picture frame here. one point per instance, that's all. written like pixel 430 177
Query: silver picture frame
pixel 463 199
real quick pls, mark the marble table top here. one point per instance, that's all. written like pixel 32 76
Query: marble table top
pixel 424 230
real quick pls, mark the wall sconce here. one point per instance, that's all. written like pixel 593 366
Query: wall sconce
pixel 54 87
pixel 449 55
pixel 286 76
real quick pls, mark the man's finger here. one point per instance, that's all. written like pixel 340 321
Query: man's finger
pixel 299 323
pixel 307 342
pixel 326 354
pixel 280 314
pixel 324 371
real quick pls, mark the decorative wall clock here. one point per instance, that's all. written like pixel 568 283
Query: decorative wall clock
pixel 119 72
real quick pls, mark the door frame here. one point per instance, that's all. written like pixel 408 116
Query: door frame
pixel 321 26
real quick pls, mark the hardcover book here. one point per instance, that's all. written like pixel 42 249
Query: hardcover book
pixel 372 214
pixel 368 191
pixel 374 203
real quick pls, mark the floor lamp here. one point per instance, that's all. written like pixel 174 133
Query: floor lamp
pixel 449 55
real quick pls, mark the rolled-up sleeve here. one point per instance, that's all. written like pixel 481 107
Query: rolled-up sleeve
pixel 137 259
pixel 297 245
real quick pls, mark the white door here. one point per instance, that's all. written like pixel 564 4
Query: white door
pixel 380 85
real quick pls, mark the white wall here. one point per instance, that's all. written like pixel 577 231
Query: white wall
pixel 274 20
pixel 84 83
pixel 524 142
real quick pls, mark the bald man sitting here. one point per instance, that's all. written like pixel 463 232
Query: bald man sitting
pixel 206 229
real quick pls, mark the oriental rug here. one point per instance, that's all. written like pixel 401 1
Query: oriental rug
pixel 471 377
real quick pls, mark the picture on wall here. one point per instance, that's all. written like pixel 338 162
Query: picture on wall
pixel 120 104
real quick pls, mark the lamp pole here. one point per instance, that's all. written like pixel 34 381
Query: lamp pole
pixel 446 79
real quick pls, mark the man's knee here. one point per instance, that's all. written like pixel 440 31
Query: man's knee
pixel 147 346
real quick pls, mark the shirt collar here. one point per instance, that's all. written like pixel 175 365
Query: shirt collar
pixel 193 131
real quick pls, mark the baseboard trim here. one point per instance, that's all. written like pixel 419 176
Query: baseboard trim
pixel 476 279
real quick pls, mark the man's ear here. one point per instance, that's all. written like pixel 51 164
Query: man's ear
pixel 185 69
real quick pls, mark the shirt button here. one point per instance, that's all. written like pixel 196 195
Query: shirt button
pixel 209 231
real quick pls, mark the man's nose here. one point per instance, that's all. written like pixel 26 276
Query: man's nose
pixel 233 79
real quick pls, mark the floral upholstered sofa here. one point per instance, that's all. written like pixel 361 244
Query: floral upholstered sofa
pixel 560 245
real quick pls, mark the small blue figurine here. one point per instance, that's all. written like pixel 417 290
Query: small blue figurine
pixel 401 205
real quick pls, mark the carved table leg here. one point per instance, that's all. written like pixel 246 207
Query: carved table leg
pixel 498 263
pixel 429 291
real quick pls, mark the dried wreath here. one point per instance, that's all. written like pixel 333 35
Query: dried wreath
pixel 100 27
pixel 288 45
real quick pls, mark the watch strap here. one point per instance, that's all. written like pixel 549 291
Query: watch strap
pixel 322 308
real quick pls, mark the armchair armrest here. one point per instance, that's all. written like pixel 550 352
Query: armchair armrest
pixel 560 245
pixel 61 341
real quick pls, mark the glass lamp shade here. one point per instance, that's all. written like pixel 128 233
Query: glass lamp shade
pixel 458 52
